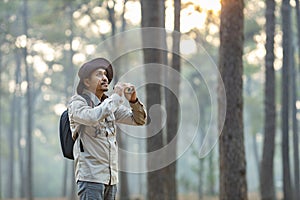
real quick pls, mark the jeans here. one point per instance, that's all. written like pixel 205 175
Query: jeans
pixel 96 191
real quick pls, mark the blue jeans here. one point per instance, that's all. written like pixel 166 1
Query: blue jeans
pixel 96 191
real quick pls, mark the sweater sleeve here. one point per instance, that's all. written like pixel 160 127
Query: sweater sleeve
pixel 80 112
pixel 135 116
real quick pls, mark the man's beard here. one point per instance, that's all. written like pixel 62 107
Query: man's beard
pixel 99 89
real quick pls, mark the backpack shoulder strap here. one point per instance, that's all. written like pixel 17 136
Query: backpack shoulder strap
pixel 90 103
pixel 88 100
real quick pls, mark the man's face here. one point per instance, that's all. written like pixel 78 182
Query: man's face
pixel 97 82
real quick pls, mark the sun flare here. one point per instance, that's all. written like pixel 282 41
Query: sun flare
pixel 212 5
pixel 193 13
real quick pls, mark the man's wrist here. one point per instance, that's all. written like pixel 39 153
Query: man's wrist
pixel 134 101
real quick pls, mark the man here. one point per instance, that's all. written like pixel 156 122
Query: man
pixel 92 117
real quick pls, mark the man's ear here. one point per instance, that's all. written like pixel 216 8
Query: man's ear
pixel 86 82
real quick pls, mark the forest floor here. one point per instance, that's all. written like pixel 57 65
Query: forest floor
pixel 194 196
pixel 251 196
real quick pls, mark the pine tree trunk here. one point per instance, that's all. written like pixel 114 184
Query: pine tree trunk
pixel 124 190
pixel 211 177
pixel 151 17
pixel 286 45
pixel 19 124
pixel 297 184
pixel 295 127
pixel 29 117
pixel 73 195
pixel 122 143
pixel 267 189
pixel 172 104
pixel 70 72
pixel 200 179
pixel 233 185
pixel 1 67
pixel 11 141
pixel 201 162
pixel 255 152
pixel 65 178
pixel 298 28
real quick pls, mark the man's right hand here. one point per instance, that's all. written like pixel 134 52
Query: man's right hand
pixel 119 89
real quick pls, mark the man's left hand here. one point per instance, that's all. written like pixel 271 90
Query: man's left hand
pixel 130 93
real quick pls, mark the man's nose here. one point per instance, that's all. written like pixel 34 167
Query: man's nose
pixel 105 78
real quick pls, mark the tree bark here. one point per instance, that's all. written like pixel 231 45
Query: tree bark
pixel 267 189
pixel 151 17
pixel 15 122
pixel 211 177
pixel 172 104
pixel 295 128
pixel 19 124
pixel 1 67
pixel 29 118
pixel 124 190
pixel 255 152
pixel 295 125
pixel 111 17
pixel 70 72
pixel 122 142
pixel 11 141
pixel 286 45
pixel 233 183
pixel 298 27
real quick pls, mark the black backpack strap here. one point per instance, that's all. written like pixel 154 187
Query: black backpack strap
pixel 90 103
pixel 88 100
pixel 81 146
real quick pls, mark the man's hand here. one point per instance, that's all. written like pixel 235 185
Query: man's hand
pixel 128 90
pixel 130 93
pixel 119 89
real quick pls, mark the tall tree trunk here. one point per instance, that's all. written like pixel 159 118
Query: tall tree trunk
pixel 67 70
pixel 11 141
pixel 255 152
pixel 286 45
pixel 172 104
pixel 65 178
pixel 29 118
pixel 123 17
pixel 298 28
pixel 211 177
pixel 122 143
pixel 124 190
pixel 267 189
pixel 68 187
pixel 167 172
pixel 19 124
pixel 151 17
pixel 233 183
pixel 201 162
pixel 14 122
pixel 70 72
pixel 200 179
pixel 111 16
pixel 1 139
pixel 295 127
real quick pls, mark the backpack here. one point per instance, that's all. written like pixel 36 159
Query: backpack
pixel 65 133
